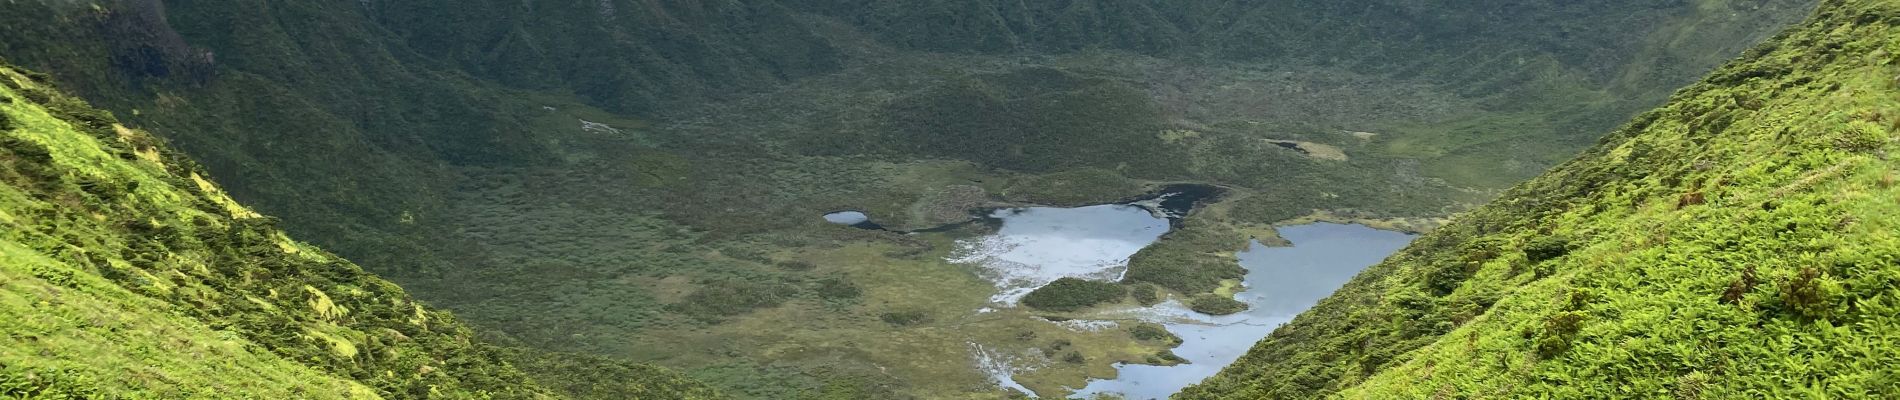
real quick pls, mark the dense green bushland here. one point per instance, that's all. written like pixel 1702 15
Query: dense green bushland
pixel 1214 304
pixel 1740 241
pixel 1194 258
pixel 1073 187
pixel 126 270
pixel 1070 294
pixel 1144 293
pixel 1048 120
pixel 1147 331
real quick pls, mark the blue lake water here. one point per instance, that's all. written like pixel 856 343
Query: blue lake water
pixel 1281 282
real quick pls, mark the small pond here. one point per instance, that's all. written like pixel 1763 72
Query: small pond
pixel 855 219
pixel 847 218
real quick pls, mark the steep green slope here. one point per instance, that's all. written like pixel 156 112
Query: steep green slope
pixel 303 109
pixel 124 272
pixel 1742 241
pixel 72 334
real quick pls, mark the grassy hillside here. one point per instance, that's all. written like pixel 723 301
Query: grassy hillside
pixel 1738 242
pixel 125 272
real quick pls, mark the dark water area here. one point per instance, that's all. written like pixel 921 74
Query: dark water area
pixel 1292 146
pixel 1175 201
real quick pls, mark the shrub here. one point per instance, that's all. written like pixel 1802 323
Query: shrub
pixel 1193 259
pixel 1860 136
pixel 742 252
pixel 1074 357
pixel 1809 294
pixel 731 297
pixel 1449 277
pixel 1213 304
pixel 1169 357
pixel 1145 294
pixel 1070 294
pixel 1740 287
pixel 1075 187
pixel 1690 199
pixel 797 265
pixel 1559 330
pixel 1546 248
pixel 904 318
pixel 838 288
pixel 1153 332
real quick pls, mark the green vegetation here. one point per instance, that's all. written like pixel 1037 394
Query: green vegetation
pixel 583 376
pixel 590 177
pixel 1165 357
pixel 1739 241
pixel 1145 293
pixel 1147 331
pixel 1036 119
pixel 731 297
pixel 1545 248
pixel 1214 304
pixel 125 270
pixel 1076 187
pixel 1074 357
pixel 904 318
pixel 130 343
pixel 838 289
pixel 1070 294
pixel 1194 258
